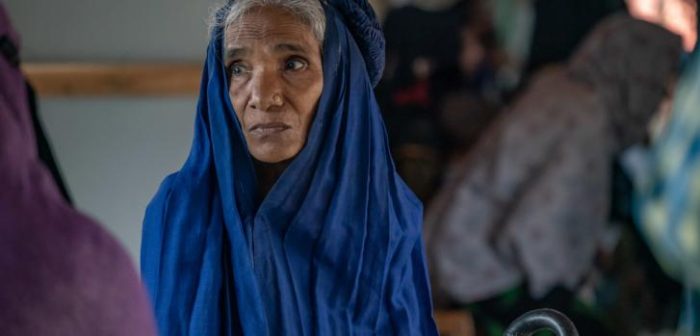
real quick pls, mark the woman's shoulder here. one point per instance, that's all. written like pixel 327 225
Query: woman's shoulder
pixel 71 264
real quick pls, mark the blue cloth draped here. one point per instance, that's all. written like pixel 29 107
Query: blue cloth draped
pixel 335 247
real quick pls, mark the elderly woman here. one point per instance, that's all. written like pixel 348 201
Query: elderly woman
pixel 531 201
pixel 288 217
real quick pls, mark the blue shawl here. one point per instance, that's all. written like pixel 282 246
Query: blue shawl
pixel 335 247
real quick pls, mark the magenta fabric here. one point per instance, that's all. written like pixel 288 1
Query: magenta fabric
pixel 61 273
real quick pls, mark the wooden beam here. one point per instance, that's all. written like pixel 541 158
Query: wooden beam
pixel 96 79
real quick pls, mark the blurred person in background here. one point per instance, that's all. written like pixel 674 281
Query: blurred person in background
pixel 405 93
pixel 415 55
pixel 446 84
pixel 678 16
pixel 529 205
pixel 62 274
pixel 629 286
pixel 667 203
pixel 462 78
pixel 469 98
pixel 560 26
pixel 537 33
pixel 418 150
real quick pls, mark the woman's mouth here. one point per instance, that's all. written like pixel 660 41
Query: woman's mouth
pixel 263 129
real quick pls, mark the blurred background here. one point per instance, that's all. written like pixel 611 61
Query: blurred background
pixel 117 85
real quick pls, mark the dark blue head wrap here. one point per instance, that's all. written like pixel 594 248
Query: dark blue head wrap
pixel 334 249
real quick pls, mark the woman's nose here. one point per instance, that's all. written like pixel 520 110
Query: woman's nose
pixel 266 91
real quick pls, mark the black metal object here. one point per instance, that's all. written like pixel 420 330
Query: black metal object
pixel 542 319
pixel 9 50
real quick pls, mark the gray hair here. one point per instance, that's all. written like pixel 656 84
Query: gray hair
pixel 310 12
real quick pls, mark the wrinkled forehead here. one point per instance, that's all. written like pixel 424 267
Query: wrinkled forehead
pixel 271 30
pixel 268 25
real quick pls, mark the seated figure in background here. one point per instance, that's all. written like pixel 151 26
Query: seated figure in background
pixel 529 204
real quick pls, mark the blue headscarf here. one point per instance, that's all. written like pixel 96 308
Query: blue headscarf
pixel 334 249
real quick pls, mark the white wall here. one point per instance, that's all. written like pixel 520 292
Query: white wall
pixel 111 30
pixel 115 152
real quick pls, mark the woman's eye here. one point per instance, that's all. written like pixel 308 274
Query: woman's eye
pixel 235 69
pixel 295 64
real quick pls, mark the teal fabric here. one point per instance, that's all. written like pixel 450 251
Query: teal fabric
pixel 668 200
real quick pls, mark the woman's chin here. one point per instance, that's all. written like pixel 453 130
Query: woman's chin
pixel 274 153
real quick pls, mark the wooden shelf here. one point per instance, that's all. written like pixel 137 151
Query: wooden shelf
pixel 97 79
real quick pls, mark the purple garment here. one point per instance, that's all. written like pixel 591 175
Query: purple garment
pixel 61 273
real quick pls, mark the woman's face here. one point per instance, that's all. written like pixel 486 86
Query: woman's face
pixel 275 73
